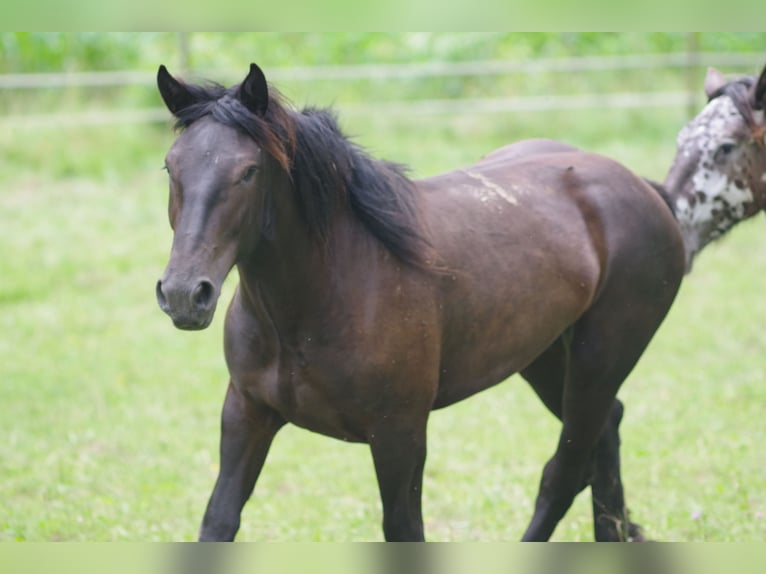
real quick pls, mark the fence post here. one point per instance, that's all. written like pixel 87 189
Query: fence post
pixel 183 53
pixel 692 68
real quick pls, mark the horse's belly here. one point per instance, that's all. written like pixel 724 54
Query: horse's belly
pixel 491 360
pixel 498 326
pixel 324 418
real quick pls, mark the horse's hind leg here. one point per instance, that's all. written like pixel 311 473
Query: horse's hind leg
pixel 246 434
pixel 546 377
pixel 603 348
pixel 586 404
pixel 610 516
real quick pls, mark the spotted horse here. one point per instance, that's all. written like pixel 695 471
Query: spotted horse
pixel 718 177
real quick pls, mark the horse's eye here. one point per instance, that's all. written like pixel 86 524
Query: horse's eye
pixel 725 149
pixel 248 175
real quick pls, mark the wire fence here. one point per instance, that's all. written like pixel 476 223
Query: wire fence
pixel 688 63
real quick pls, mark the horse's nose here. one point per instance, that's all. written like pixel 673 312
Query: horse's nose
pixel 162 301
pixel 201 298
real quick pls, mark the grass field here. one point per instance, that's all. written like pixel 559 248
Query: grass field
pixel 110 416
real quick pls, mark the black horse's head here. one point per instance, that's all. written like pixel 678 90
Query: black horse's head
pixel 245 166
pixel 215 172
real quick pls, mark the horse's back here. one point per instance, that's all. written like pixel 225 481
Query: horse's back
pixel 527 148
pixel 541 190
pixel 548 183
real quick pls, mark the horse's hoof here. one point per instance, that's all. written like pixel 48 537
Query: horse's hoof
pixel 635 533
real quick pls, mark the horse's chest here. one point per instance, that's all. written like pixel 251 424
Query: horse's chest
pixel 307 395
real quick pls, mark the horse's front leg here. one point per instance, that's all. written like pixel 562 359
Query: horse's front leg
pixel 399 453
pixel 247 430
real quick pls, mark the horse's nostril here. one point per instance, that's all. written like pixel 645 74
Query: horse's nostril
pixel 161 300
pixel 202 296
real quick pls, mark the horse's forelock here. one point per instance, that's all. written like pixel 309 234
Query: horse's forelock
pixel 742 94
pixel 273 131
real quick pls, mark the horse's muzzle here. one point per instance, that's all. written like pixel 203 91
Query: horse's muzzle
pixel 191 305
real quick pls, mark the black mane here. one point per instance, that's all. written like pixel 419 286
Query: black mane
pixel 327 169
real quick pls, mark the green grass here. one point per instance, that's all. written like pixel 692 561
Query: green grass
pixel 109 416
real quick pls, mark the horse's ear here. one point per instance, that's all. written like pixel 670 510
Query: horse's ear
pixel 714 81
pixel 253 92
pixel 760 91
pixel 175 94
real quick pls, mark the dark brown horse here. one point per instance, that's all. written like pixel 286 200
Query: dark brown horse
pixel 366 300
pixel 718 177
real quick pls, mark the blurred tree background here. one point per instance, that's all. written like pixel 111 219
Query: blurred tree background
pixel 22 52
pixel 359 96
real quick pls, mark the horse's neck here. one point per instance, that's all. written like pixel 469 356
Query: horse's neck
pixel 290 271
pixel 701 223
pixel 281 263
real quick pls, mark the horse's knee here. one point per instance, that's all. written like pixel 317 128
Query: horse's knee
pixel 618 410
pixel 560 483
pixel 564 477
pixel 609 441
